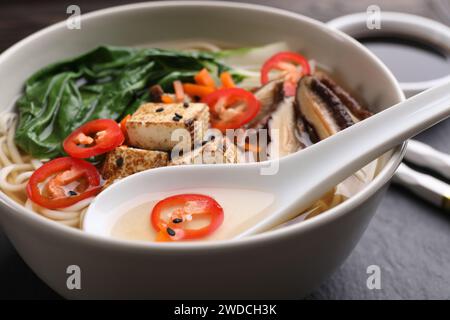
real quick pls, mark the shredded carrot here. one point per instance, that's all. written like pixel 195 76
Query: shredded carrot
pixel 252 147
pixel 196 90
pixel 203 78
pixel 227 80
pixel 123 125
pixel 166 98
pixel 179 92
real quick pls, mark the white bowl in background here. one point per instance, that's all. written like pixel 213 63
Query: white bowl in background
pixel 401 24
pixel 284 263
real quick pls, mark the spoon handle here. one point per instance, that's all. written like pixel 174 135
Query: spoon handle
pixel 317 169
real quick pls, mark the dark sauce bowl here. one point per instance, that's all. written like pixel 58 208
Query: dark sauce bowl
pixel 414 48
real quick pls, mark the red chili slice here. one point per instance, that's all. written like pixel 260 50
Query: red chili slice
pixel 94 138
pixel 49 185
pixel 231 108
pixel 183 209
pixel 286 61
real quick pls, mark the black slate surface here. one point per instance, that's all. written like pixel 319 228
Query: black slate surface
pixel 408 239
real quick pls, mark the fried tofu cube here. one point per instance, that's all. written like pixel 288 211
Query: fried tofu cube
pixel 124 161
pixel 219 150
pixel 152 125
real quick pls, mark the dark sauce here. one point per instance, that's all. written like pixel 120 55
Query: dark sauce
pixel 410 60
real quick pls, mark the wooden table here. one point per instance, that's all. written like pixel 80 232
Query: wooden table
pixel 408 239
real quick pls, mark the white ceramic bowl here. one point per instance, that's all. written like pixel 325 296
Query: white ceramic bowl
pixel 286 263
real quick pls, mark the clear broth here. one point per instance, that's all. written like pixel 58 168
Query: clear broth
pixel 242 208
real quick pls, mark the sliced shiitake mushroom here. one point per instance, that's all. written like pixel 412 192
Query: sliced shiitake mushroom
pixel 282 129
pixel 156 92
pixel 321 108
pixel 351 103
pixel 305 133
pixel 268 95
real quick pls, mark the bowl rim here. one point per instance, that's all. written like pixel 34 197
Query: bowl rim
pixel 55 229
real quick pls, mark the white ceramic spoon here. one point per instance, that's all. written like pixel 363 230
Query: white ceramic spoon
pixel 302 177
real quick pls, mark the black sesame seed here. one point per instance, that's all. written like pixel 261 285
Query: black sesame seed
pixel 186 105
pixel 159 110
pixel 177 220
pixel 177 115
pixel 170 232
pixel 119 162
pixel 72 193
pixel 175 118
pixel 204 142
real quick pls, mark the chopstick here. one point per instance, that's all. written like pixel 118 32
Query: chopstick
pixel 424 185
pixel 425 156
